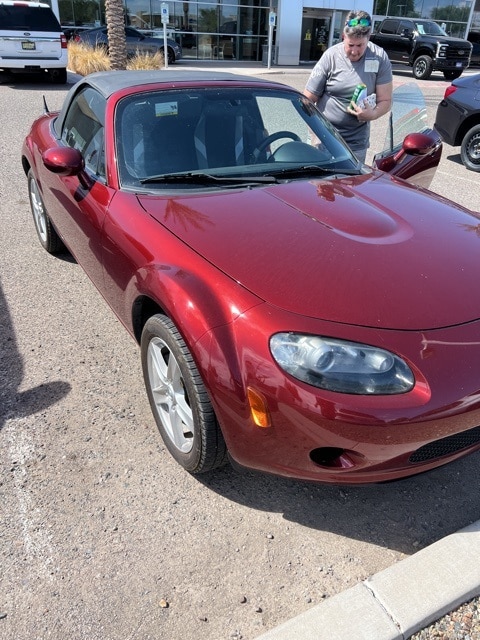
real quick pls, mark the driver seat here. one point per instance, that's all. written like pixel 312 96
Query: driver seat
pixel 227 134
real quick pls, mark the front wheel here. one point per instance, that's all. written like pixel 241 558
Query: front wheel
pixel 422 68
pixel 470 150
pixel 178 398
pixel 49 238
pixel 451 75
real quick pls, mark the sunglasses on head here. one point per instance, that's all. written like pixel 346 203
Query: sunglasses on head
pixel 358 22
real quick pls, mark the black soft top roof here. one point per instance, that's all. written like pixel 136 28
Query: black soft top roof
pixel 109 82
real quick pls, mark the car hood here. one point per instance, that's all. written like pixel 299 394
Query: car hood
pixel 370 250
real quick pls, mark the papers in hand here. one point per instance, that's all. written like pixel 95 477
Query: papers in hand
pixel 369 102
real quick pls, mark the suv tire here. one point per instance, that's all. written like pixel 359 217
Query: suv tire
pixel 58 76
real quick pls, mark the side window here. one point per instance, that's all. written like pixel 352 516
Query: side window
pixel 84 129
pixel 390 27
pixel 405 24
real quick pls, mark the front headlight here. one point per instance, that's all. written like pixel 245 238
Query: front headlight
pixel 338 365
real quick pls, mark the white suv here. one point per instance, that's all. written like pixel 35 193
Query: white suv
pixel 31 40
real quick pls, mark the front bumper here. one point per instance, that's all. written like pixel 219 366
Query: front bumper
pixel 446 64
pixel 346 439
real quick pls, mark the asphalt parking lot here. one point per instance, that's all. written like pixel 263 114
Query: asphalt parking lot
pixel 102 535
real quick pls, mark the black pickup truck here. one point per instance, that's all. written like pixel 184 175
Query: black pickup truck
pixel 423 45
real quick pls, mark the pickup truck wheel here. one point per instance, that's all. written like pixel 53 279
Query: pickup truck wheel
pixel 422 68
pixel 451 75
pixel 178 398
pixel 470 150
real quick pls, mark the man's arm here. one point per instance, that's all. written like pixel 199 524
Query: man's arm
pixel 311 96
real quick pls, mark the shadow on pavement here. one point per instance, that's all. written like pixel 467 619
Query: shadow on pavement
pixel 405 515
pixel 15 403
pixel 455 157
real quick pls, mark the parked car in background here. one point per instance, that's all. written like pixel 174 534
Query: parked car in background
pixel 293 306
pixel 71 31
pixel 136 42
pixel 32 41
pixel 458 119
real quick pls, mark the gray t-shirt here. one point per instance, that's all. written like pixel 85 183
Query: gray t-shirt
pixel 333 80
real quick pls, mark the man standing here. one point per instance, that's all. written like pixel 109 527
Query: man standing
pixel 345 69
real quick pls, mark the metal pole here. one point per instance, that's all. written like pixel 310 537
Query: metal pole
pixel 270 38
pixel 165 48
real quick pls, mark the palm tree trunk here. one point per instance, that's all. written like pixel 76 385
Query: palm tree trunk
pixel 117 45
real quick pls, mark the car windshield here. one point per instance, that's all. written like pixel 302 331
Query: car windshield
pixel 177 138
pixel 430 29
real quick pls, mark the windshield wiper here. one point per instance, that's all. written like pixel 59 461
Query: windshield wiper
pixel 207 178
pixel 311 169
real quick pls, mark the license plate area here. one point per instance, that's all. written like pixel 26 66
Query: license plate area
pixel 28 45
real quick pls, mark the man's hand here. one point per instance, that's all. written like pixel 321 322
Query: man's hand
pixel 364 115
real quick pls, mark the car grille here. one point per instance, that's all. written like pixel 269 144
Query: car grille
pixel 446 446
pixel 457 53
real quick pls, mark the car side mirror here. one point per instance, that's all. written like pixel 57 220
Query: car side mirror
pixel 414 144
pixel 407 33
pixel 418 144
pixel 65 161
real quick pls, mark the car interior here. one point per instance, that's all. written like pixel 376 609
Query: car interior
pixel 179 133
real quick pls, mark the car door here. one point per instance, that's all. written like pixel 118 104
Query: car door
pixel 412 149
pixel 391 40
pixel 78 207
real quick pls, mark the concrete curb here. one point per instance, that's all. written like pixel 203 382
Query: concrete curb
pixel 399 601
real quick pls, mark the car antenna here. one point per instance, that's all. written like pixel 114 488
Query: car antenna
pixel 45 107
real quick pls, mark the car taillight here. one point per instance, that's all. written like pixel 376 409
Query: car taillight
pixel 63 41
pixel 449 90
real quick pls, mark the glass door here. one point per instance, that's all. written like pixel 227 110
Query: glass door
pixel 315 33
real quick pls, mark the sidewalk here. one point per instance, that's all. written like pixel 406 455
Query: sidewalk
pixel 243 67
pixel 399 601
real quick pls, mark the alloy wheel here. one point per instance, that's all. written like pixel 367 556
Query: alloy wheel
pixel 169 395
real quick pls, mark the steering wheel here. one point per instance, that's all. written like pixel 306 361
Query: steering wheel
pixel 271 138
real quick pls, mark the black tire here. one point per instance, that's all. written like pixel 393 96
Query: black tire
pixel 452 75
pixel 49 238
pixel 470 150
pixel 178 398
pixel 58 76
pixel 171 55
pixel 422 68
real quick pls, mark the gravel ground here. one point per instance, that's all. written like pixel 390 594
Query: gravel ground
pixel 461 624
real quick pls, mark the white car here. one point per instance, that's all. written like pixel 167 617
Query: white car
pixel 32 41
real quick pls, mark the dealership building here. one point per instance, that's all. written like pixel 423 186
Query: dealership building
pixel 299 30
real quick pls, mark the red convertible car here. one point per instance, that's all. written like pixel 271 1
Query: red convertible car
pixel 297 311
